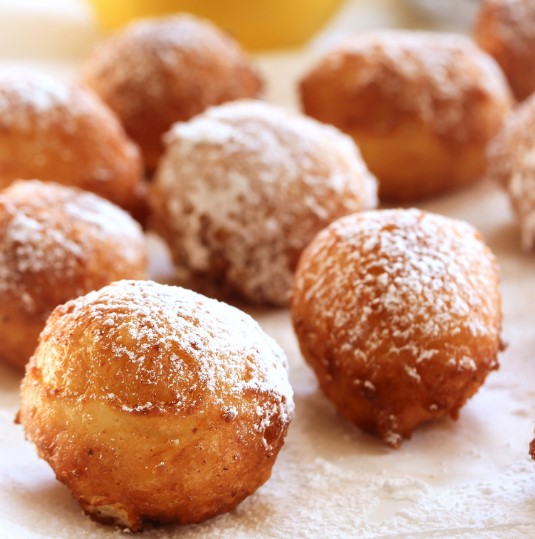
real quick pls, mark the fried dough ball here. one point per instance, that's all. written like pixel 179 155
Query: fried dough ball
pixel 57 243
pixel 506 30
pixel 512 162
pixel 154 403
pixel 398 313
pixel 158 72
pixel 61 133
pixel 422 107
pixel 245 186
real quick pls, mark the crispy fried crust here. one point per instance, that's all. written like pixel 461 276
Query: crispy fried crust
pixel 398 313
pixel 57 243
pixel 158 72
pixel 61 133
pixel 506 30
pixel 153 403
pixel 422 107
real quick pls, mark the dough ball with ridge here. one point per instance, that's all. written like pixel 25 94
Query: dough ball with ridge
pixel 156 404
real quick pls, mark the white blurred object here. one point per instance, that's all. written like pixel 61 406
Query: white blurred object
pixel 60 29
pixel 448 14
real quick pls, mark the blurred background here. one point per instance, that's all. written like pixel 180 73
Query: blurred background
pixel 67 29
pixel 283 35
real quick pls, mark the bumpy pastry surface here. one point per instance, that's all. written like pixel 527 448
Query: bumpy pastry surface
pixel 57 243
pixel 422 107
pixel 158 72
pixel 398 313
pixel 506 30
pixel 245 186
pixel 62 133
pixel 154 403
pixel 512 163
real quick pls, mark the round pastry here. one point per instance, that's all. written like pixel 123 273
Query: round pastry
pixel 58 132
pixel 422 107
pixel 154 403
pixel 245 186
pixel 512 162
pixel 398 313
pixel 57 243
pixel 506 30
pixel 161 71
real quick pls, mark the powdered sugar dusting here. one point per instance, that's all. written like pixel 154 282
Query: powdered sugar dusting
pixel 433 76
pixel 176 351
pixel 514 23
pixel 250 184
pixel 512 162
pixel 34 248
pixel 48 229
pixel 506 30
pixel 59 132
pixel 153 46
pixel 437 310
pixel 435 271
pixel 522 190
pixel 31 100
pixel 141 61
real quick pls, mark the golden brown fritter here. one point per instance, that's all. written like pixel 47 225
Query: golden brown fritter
pixel 154 403
pixel 398 313
pixel 422 107
pixel 57 243
pixel 506 30
pixel 62 133
pixel 160 71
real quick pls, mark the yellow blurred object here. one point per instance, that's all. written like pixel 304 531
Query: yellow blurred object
pixel 256 24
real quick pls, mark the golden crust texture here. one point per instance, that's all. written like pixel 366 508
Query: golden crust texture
pixel 245 186
pixel 155 404
pixel 422 107
pixel 398 313
pixel 506 30
pixel 61 133
pixel 57 243
pixel 161 71
pixel 512 163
